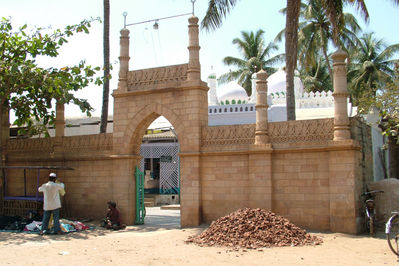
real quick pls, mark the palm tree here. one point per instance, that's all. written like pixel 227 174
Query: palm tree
pixel 315 77
pixel 218 9
pixel 254 57
pixel 371 66
pixel 104 111
pixel 315 34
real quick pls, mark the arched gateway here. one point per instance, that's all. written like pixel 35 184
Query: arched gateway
pixel 175 92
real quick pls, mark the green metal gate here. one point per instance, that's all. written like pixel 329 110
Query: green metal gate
pixel 140 208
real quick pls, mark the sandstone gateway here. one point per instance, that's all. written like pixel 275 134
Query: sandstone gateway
pixel 311 172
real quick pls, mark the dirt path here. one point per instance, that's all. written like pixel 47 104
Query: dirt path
pixel 149 246
pixel 161 242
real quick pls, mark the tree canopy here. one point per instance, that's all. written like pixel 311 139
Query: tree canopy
pixel 255 56
pixel 31 90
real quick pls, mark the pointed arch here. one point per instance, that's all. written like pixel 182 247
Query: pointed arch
pixel 135 131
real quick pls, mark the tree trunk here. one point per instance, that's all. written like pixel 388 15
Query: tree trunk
pixel 327 60
pixel 104 111
pixel 291 43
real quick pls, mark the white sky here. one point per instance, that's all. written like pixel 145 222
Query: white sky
pixel 168 45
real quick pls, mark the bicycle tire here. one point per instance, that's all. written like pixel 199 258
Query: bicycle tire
pixel 392 232
pixel 371 225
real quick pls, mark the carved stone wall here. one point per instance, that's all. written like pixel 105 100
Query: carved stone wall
pixel 161 77
pixel 317 130
pixel 88 143
pixel 28 145
pixel 228 135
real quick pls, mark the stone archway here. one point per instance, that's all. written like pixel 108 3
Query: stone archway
pixel 140 122
pixel 175 92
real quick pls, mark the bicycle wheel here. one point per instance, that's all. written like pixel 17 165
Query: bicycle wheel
pixel 371 225
pixel 392 231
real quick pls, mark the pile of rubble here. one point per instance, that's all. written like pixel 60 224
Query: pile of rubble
pixel 253 228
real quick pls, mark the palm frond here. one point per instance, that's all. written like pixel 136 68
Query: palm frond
pixel 216 12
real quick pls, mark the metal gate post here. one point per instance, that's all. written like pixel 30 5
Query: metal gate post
pixel 140 208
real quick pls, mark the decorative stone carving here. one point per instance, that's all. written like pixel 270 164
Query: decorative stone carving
pixel 29 145
pixel 89 142
pixel 317 130
pixel 227 135
pixel 157 77
pixel 301 131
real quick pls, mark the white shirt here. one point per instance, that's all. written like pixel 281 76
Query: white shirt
pixel 51 192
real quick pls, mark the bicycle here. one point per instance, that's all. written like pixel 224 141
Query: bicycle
pixel 369 206
pixel 392 232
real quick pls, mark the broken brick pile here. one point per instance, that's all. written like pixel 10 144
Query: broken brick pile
pixel 253 228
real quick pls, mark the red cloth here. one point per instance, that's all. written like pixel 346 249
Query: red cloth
pixel 114 216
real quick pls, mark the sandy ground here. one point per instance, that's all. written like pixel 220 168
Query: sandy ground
pixel 160 242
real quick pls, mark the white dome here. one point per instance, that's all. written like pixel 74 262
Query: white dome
pixel 231 91
pixel 276 83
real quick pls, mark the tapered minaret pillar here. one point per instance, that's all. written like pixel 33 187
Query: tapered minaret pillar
pixel 341 119
pixel 123 60
pixel 194 68
pixel 59 120
pixel 261 134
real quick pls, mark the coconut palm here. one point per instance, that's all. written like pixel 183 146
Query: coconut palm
pixel 104 111
pixel 315 77
pixel 372 66
pixel 218 9
pixel 255 56
pixel 315 34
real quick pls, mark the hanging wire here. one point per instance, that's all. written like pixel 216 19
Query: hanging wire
pixel 153 47
pixel 145 34
pixel 160 47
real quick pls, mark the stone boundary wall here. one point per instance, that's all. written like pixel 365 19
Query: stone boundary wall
pixel 88 186
pixel 301 176
pixel 298 176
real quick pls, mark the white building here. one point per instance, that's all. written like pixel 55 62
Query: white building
pixel 229 104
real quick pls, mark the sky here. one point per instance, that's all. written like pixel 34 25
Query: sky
pixel 167 45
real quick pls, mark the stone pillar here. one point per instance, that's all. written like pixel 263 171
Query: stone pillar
pixel 261 134
pixel 124 59
pixel 59 120
pixel 341 119
pixel 194 67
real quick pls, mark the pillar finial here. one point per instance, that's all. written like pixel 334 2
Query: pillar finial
pixel 340 94
pixel 123 60
pixel 261 130
pixel 194 67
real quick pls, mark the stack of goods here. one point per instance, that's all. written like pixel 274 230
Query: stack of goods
pixel 253 228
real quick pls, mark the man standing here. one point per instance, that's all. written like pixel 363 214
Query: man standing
pixel 52 203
